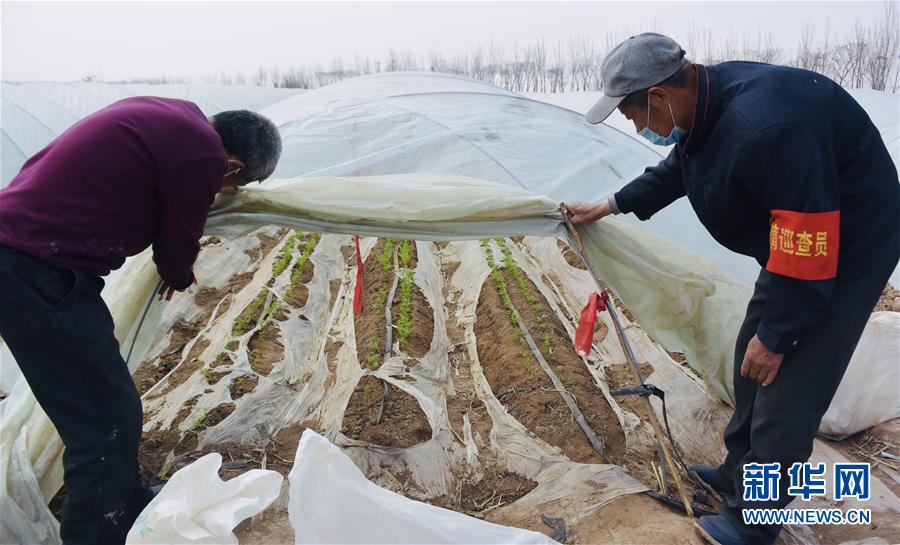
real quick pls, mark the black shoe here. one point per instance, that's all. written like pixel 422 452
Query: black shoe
pixel 710 477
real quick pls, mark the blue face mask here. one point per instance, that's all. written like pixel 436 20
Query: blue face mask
pixel 675 136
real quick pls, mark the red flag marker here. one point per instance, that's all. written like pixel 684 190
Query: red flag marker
pixel 584 335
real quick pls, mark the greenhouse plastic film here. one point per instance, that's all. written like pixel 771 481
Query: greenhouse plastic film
pixel 679 300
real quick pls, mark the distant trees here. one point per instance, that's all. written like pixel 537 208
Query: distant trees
pixel 866 56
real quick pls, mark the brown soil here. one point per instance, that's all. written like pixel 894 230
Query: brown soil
pixel 213 417
pixel 403 425
pixel 266 243
pixel 348 251
pixel 448 269
pixel 571 370
pixel 151 371
pixel 284 447
pixel 370 324
pixel 497 487
pixel 276 454
pixel 156 444
pixel 677 356
pixel 527 393
pixel 190 366
pixel 299 294
pixel 465 401
pixel 222 359
pixel 272 527
pixel 266 349
pixel 866 446
pixel 419 341
pixel 207 298
pixel 889 300
pixel 241 386
pixel 636 519
pixel 571 257
pixel 155 448
pixel 637 460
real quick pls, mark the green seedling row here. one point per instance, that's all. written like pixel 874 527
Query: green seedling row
pixel 198 422
pixel 387 254
pixel 530 297
pixel 285 255
pixel 503 290
pixel 248 317
pixel 404 325
pixel 235 384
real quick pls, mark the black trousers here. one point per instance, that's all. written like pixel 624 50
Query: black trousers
pixel 778 423
pixel 61 334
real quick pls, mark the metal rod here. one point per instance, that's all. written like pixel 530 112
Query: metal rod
pixel 578 246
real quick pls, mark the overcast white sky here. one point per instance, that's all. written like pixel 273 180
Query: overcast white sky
pixel 66 41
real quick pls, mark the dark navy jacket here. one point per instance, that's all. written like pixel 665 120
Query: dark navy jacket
pixel 782 165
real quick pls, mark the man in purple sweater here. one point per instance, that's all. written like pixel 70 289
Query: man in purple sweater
pixel 142 171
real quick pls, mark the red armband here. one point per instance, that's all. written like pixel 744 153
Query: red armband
pixel 804 245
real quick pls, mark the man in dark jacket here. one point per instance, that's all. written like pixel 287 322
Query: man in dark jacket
pixel 781 165
pixel 143 171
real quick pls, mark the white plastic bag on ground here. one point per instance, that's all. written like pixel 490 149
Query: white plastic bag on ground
pixel 869 393
pixel 331 501
pixel 196 506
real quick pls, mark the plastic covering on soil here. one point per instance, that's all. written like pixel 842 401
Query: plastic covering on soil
pixel 266 345
pixel 250 322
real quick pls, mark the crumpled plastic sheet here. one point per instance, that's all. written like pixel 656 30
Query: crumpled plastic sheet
pixel 680 301
pixel 328 489
pixel 197 507
pixel 876 355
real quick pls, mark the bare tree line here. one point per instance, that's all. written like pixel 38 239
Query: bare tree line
pixel 868 56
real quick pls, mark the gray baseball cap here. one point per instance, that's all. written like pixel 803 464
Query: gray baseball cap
pixel 638 63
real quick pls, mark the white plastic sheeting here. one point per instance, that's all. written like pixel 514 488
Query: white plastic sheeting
pixel 884 110
pixel 686 303
pixel 651 276
pixel 196 506
pixel 483 132
pixel 33 114
pixel 533 156
pixel 327 490
pixel 874 370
